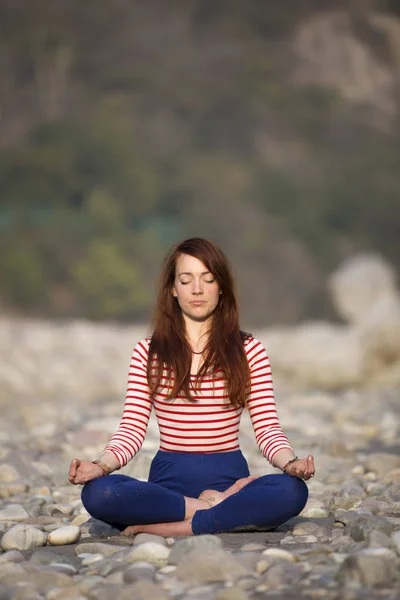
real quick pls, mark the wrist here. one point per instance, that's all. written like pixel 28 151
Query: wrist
pixel 295 459
pixel 107 469
pixel 109 459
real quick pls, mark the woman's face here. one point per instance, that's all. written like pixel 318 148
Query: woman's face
pixel 195 288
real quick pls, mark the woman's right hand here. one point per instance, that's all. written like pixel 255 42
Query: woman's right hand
pixel 82 471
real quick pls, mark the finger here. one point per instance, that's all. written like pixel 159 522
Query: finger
pixel 311 465
pixel 297 473
pixel 306 469
pixel 75 463
pixel 301 468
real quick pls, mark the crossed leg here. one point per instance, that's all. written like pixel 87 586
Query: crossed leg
pixel 207 499
pixel 261 503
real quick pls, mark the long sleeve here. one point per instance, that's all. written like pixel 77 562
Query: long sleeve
pixel 261 404
pixel 127 441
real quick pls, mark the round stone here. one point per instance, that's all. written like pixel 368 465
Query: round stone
pixel 278 553
pixel 201 543
pixel 64 535
pixel 13 512
pixel 8 473
pixel 316 512
pixel 23 537
pixel 149 552
pixel 140 570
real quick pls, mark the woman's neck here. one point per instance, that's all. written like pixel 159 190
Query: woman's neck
pixel 197 334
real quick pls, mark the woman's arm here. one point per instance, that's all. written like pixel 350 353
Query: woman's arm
pixel 269 435
pixel 270 438
pixel 127 441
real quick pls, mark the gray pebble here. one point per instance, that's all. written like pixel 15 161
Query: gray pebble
pixel 249 560
pixel 361 527
pixel 141 538
pixel 232 593
pixel 143 590
pixel 99 529
pixel 46 556
pixel 63 567
pixel 6 593
pixel 140 570
pixel 202 543
pixel 371 567
pixel 23 537
pixel 13 556
pixel 199 568
pixel 156 554
pixel 97 548
pixel 13 512
pixel 8 473
pixel 252 547
pixel 284 574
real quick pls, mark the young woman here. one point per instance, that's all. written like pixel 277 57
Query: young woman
pixel 198 371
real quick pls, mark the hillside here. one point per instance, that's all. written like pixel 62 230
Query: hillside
pixel 271 128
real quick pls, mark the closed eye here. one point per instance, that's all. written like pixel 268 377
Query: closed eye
pixel 205 280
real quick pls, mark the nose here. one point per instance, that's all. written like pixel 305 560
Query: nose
pixel 197 286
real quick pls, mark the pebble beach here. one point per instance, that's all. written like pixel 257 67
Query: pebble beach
pixel 345 543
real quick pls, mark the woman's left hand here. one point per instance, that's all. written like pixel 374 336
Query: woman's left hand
pixel 303 468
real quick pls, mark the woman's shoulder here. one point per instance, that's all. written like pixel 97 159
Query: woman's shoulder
pixel 249 341
pixel 253 346
pixel 144 341
pixel 142 346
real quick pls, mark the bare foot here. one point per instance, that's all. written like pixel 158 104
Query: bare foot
pixel 239 484
pixel 191 506
pixel 162 529
pixel 212 497
pixel 209 499
pixel 130 531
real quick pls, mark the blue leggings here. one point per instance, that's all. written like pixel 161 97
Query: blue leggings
pixel 264 503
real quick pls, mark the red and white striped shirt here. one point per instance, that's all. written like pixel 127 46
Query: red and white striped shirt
pixel 210 424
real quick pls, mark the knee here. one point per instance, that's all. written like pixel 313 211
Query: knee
pixel 94 496
pixel 296 493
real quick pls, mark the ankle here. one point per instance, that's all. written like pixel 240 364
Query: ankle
pixel 207 500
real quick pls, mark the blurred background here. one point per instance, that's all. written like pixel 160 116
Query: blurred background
pixel 271 128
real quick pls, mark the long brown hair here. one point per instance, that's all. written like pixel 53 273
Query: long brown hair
pixel 169 346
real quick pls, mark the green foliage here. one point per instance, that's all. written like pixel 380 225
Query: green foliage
pixel 105 213
pixel 24 274
pixel 123 133
pixel 108 282
pixel 131 175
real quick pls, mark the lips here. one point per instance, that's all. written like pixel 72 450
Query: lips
pixel 197 303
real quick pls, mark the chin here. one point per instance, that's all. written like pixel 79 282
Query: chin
pixel 198 316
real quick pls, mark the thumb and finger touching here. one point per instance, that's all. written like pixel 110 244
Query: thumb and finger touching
pixel 75 464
